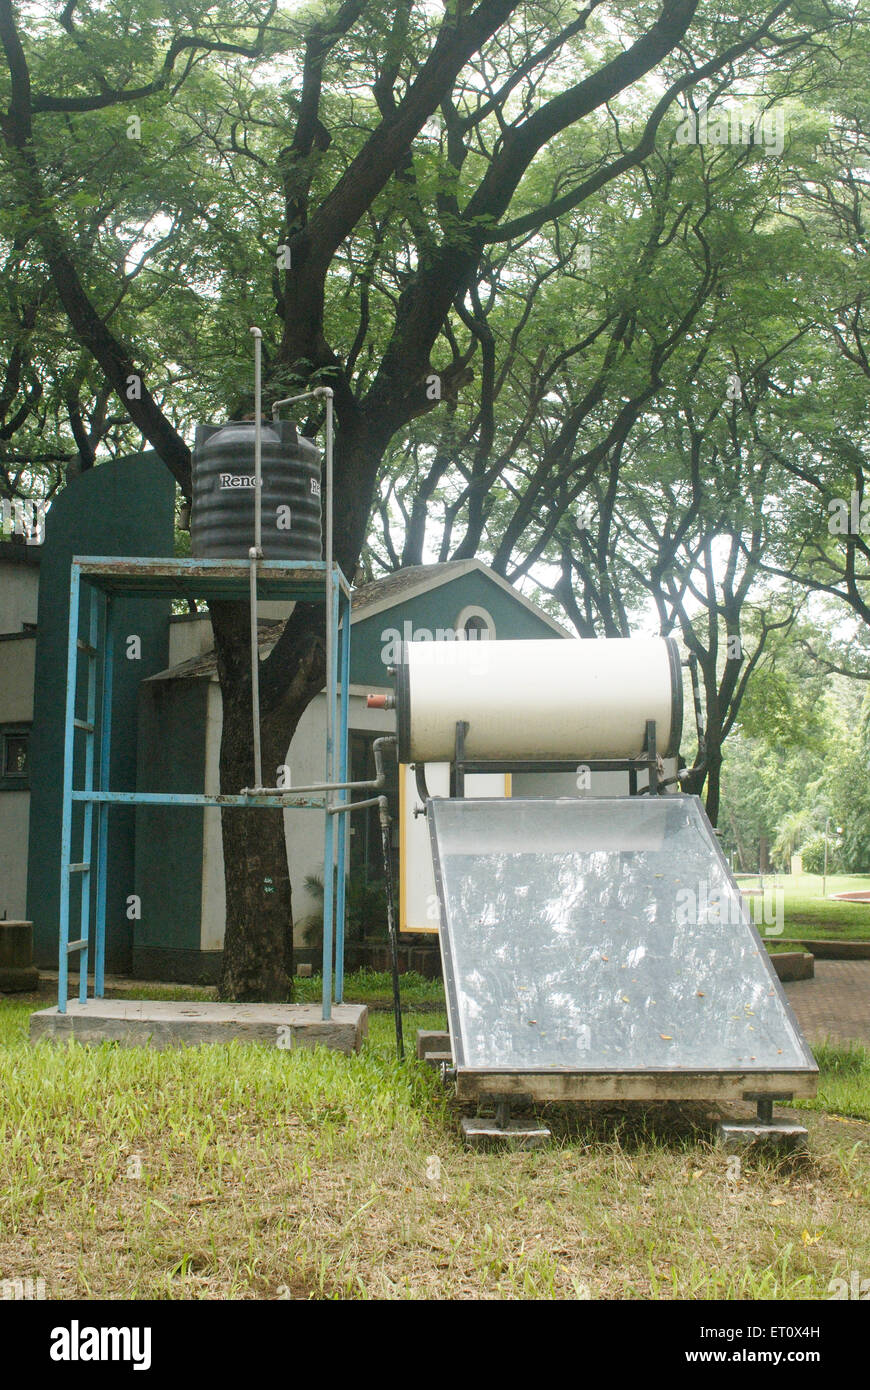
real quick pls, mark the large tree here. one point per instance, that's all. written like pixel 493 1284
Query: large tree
pixel 383 153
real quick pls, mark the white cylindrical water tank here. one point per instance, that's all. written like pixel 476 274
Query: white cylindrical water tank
pixel 548 700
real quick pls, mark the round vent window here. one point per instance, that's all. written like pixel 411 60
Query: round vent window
pixel 476 623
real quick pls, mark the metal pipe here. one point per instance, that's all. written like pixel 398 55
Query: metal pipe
pixel 353 805
pixel 391 925
pixel 256 553
pixel 258 440
pixel 692 664
pixel 331 691
pixel 255 675
pixel 384 816
pixel 290 400
pixel 377 781
pixel 341 839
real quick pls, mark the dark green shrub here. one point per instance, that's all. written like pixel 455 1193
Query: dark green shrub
pixel 365 910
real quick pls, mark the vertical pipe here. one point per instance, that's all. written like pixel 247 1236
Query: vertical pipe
pixel 699 714
pixel 328 905
pixel 88 848
pixel 391 926
pixel 258 440
pixel 255 678
pixel 328 836
pixel 103 809
pixel 344 795
pixel 328 595
pixel 68 756
pixel 652 754
pixel 256 552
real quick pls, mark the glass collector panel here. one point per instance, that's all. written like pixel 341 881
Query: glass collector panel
pixel 601 934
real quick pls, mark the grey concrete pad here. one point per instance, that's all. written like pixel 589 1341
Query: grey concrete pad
pixel 784 1135
pixel 480 1133
pixel 174 1023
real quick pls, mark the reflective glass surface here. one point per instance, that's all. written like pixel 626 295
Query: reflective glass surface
pixel 601 933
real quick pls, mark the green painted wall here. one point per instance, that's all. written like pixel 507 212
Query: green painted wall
pixel 169 840
pixel 125 507
pixel 439 608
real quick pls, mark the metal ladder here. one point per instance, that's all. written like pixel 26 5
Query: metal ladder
pixel 74 725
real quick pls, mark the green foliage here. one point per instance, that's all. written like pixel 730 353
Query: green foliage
pixel 812 854
pixel 365 909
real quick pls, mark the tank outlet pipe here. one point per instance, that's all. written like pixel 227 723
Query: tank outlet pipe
pixel 692 664
pixel 380 702
pixel 373 784
pixel 256 551
pixel 391 925
pixel 386 821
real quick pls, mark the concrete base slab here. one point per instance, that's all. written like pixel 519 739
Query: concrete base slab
pixel 480 1133
pixel 782 1134
pixel 185 1023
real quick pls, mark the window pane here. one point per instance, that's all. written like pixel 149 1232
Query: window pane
pixel 15 755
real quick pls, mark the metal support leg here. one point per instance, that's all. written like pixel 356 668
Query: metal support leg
pixel 68 763
pixel 328 912
pixel 459 759
pixel 88 818
pixel 344 795
pixel 764 1110
pixel 109 638
pixel 652 754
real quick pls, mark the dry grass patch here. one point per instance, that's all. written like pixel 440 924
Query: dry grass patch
pixel 250 1172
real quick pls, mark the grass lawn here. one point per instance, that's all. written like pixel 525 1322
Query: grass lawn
pixel 251 1172
pixel 372 987
pixel 809 915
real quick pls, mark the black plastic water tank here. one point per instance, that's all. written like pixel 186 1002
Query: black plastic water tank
pixel 222 517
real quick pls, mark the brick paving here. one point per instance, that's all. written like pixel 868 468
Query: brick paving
pixel 836 1004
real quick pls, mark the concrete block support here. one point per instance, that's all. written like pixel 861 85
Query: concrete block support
pixel 17 971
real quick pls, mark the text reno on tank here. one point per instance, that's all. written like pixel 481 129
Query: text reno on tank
pixel 238 480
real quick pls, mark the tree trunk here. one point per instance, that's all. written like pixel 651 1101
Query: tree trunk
pixel 741 852
pixel 714 783
pixel 258 935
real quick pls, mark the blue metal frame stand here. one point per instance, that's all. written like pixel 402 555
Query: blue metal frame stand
pixel 307 581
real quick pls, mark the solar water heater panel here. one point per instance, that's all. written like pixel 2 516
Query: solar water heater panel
pixel 605 935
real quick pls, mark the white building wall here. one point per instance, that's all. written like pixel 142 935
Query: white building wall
pixel 19 595
pixel 14 824
pixel 189 636
pixel 213 894
pixel 17 658
pixel 17 666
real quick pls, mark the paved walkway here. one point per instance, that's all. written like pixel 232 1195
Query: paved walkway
pixel 836 1004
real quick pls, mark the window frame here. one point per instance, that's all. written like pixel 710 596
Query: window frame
pixel 14 781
